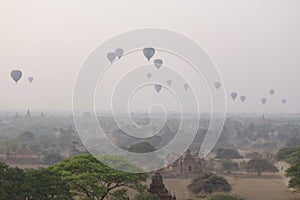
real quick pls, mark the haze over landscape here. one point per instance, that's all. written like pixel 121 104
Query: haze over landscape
pixel 254 44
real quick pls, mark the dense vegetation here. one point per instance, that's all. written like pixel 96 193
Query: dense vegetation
pixel 82 176
pixel 291 156
pixel 208 183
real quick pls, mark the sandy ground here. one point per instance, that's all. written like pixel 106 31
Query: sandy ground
pixel 253 188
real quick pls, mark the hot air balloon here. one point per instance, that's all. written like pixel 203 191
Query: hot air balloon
pixel 157 87
pixel 186 86
pixel 119 52
pixel 272 92
pixel 233 95
pixel 149 75
pixel 283 101
pixel 30 79
pixel 111 56
pixel 158 63
pixel 242 98
pixel 148 52
pixel 217 85
pixel 263 101
pixel 169 82
pixel 16 75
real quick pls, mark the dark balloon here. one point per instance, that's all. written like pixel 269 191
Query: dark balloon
pixel 119 52
pixel 30 79
pixel 243 98
pixel 158 63
pixel 157 87
pixel 169 82
pixel 111 56
pixel 149 75
pixel 217 85
pixel 272 92
pixel 283 101
pixel 233 95
pixel 186 86
pixel 16 75
pixel 263 101
pixel 148 52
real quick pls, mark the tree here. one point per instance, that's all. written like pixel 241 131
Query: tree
pixel 290 155
pixel 225 197
pixel 260 166
pixel 26 136
pixel 44 184
pixel 294 173
pixel 229 165
pixel 208 183
pixel 142 147
pixel 228 154
pixel 89 178
pixel 11 183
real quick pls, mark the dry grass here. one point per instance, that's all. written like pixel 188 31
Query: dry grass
pixel 252 188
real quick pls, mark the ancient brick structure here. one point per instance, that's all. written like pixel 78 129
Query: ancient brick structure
pixel 158 187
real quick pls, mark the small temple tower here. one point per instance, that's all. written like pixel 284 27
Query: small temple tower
pixel 158 187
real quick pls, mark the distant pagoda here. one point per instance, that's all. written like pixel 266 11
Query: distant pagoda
pixel 158 187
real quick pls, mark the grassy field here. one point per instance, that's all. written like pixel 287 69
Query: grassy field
pixel 251 188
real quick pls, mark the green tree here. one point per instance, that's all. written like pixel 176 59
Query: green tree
pixel 228 154
pixel 260 166
pixel 11 183
pixel 44 184
pixel 229 165
pixel 289 155
pixel 208 183
pixel 89 178
pixel 294 173
pixel 26 136
pixel 142 147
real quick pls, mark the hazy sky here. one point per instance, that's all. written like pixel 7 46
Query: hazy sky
pixel 255 44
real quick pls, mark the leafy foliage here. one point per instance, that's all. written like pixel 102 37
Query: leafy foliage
pixel 208 183
pixel 11 183
pixel 44 184
pixel 290 155
pixel 89 178
pixel 294 173
pixel 260 166
pixel 142 147
pixel 228 154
